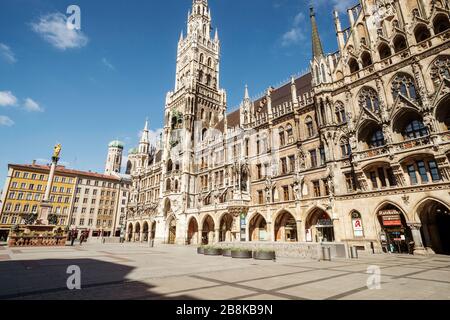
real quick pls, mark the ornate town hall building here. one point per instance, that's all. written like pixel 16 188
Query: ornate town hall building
pixel 357 151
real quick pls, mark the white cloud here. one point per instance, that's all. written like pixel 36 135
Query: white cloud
pixel 7 54
pixel 53 28
pixel 32 106
pixel 6 121
pixel 7 99
pixel 339 5
pixel 108 64
pixel 295 34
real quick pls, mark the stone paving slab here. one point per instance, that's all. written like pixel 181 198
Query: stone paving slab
pixel 133 271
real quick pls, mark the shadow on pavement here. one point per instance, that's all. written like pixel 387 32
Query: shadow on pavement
pixel 47 280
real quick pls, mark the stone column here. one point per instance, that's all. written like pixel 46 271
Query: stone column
pixel 199 237
pixel 216 235
pixel 417 238
pixel 300 231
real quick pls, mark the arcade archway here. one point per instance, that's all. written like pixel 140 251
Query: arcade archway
pixel 145 232
pixel 319 227
pixel 192 235
pixel 395 235
pixel 286 228
pixel 130 232
pixel 172 237
pixel 153 232
pixel 137 232
pixel 258 228
pixel 435 218
pixel 208 231
pixel 226 225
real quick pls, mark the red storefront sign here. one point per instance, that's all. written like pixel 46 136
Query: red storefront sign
pixel 391 218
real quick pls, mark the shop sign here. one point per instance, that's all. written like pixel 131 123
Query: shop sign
pixel 358 227
pixel 324 223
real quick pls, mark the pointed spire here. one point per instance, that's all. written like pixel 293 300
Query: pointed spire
pixel 216 35
pixel 181 36
pixel 144 137
pixel 316 42
pixel 246 95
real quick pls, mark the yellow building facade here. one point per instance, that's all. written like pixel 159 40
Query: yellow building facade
pixel 25 189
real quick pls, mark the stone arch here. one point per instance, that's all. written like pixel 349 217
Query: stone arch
pixel 153 230
pixel 208 230
pixel 434 215
pixel 167 208
pixel 366 59
pixel 130 232
pixel 258 228
pixel 285 227
pixel 171 229
pixel 319 226
pixel 441 23
pixel 226 226
pixel 192 233
pixel 399 43
pixel 421 32
pixel 145 231
pixel 442 113
pixel 368 134
pixel 392 224
pixel 384 51
pixel 408 123
pixel 353 65
pixel 137 232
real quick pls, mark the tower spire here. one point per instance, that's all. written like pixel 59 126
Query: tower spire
pixel 316 42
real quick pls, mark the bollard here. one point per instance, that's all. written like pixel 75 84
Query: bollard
pixel 326 254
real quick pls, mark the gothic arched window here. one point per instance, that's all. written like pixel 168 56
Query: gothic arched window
pixel 282 136
pixel 404 84
pixel 415 129
pixel 202 58
pixel 368 98
pixel 440 70
pixel 384 51
pixel 377 139
pixel 441 23
pixel 310 127
pixel 399 43
pixel 422 33
pixel 340 113
pixel 209 62
pixel 366 59
pixel 290 133
pixel 353 65
pixel 346 149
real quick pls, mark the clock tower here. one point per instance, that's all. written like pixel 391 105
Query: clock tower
pixel 196 105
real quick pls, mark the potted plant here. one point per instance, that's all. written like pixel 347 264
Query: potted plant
pixel 264 254
pixel 212 251
pixel 241 253
pixel 201 250
pixel 226 252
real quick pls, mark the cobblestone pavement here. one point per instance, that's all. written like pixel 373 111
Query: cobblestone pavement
pixel 133 271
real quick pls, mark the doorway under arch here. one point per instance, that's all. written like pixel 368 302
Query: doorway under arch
pixel 137 232
pixel 258 228
pixel 172 237
pixel 192 231
pixel 435 218
pixel 395 234
pixel 153 232
pixel 286 228
pixel 130 232
pixel 226 225
pixel 208 231
pixel 319 227
pixel 145 232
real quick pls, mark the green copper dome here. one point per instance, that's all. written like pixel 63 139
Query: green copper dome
pixel 116 144
pixel 133 151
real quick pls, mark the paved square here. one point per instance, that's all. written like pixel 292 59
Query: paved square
pixel 133 271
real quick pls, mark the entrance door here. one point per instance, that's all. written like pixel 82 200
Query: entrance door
pixel 172 231
pixel 396 236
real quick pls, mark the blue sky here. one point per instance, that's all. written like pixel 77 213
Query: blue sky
pixel 86 88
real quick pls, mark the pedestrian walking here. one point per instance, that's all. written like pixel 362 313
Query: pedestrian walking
pixel 72 237
pixel 82 238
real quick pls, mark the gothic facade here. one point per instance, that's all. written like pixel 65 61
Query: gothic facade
pixel 357 151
